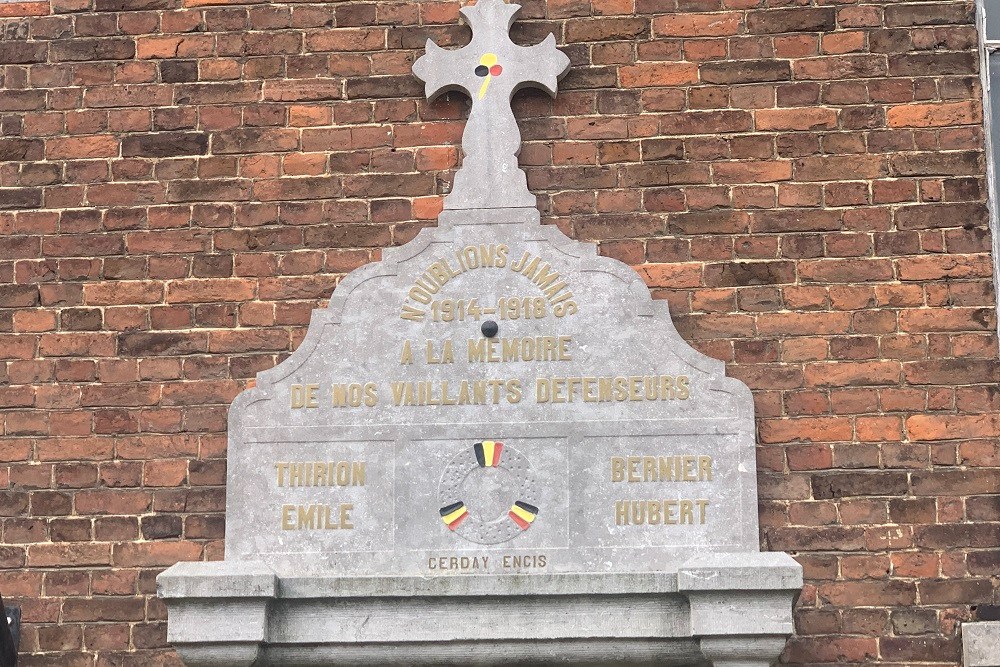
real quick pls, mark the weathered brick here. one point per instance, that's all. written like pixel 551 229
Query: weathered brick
pixel 747 71
pixel 380 87
pixel 808 118
pixel 109 48
pixel 743 274
pixel 142 344
pixel 842 485
pixel 929 13
pixel 128 95
pixel 933 115
pixel 936 164
pixel 209 190
pixel 647 75
pixel 14 198
pixel 22 53
pixel 165 144
pixel 925 64
pixel 930 216
pixel 21 149
pixel 941 649
pixel 133 5
pixel 254 140
pixel 796 19
pixel 306 90
pixel 217 93
pixel 697 25
pixel 608 29
pixel 209 290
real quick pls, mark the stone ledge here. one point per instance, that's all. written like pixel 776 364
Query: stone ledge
pixel 241 613
pixel 220 579
pixel 746 571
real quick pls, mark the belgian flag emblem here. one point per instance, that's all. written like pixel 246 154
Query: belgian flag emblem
pixel 453 515
pixel 488 453
pixel 523 514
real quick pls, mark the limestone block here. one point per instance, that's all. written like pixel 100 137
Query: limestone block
pixel 981 644
pixel 741 605
pixel 218 612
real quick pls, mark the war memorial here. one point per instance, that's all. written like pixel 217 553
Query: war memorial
pixel 491 421
pixel 597 332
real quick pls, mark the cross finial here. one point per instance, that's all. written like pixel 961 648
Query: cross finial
pixel 490 70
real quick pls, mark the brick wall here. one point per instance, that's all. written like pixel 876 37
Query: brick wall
pixel 181 184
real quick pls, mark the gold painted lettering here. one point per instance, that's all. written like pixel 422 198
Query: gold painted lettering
pixel 317 517
pixel 514 393
pixel 298 399
pixel 307 516
pixel 288 517
pixel 477 350
pixel 705 468
pixel 617 469
pixel 298 396
pixel 669 508
pixel 558 385
pixel 686 468
pixel 312 401
pixel 447 356
pixel 649 469
pixel 355 395
pixel 682 512
pixel 564 309
pixel 412 314
pixel 653 514
pixel 633 463
pixel 543 393
pixel 683 389
pixel 689 465
pixel 687 512
pixel 600 389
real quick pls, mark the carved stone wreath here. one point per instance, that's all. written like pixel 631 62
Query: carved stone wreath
pixel 488 493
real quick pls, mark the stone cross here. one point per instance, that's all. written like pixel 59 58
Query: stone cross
pixel 491 69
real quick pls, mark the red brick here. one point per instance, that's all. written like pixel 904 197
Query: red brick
pixel 816 429
pixel 807 118
pixel 644 75
pixel 78 148
pixel 671 275
pixel 698 25
pixel 214 289
pixel 943 114
pixel 80 555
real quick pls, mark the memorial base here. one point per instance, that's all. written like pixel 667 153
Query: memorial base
pixel 719 609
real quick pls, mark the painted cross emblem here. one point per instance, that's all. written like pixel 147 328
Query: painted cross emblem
pixel 490 70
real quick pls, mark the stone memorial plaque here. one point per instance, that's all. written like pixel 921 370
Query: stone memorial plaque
pixel 493 422
pixel 493 397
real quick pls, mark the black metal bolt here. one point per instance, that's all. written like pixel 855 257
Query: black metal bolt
pixel 490 329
